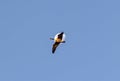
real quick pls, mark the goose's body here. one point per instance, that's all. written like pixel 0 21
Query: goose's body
pixel 59 38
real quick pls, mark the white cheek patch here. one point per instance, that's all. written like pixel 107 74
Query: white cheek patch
pixel 63 38
pixel 56 36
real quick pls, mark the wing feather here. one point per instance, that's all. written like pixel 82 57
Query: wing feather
pixel 55 45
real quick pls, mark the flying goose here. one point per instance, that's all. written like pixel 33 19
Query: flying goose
pixel 59 38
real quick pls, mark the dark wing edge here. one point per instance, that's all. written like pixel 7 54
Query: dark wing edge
pixel 55 45
pixel 60 35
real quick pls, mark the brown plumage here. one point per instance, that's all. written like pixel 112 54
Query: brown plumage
pixel 58 40
pixel 55 45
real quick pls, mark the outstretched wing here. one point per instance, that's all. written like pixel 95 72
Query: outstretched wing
pixel 55 46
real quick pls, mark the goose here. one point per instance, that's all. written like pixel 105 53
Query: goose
pixel 59 38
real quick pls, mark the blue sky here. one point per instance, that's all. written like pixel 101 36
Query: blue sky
pixel 91 51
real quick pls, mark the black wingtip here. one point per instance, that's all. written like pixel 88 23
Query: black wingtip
pixel 63 41
pixel 62 32
pixel 51 38
pixel 53 52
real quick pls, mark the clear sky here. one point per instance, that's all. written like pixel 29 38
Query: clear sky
pixel 91 51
